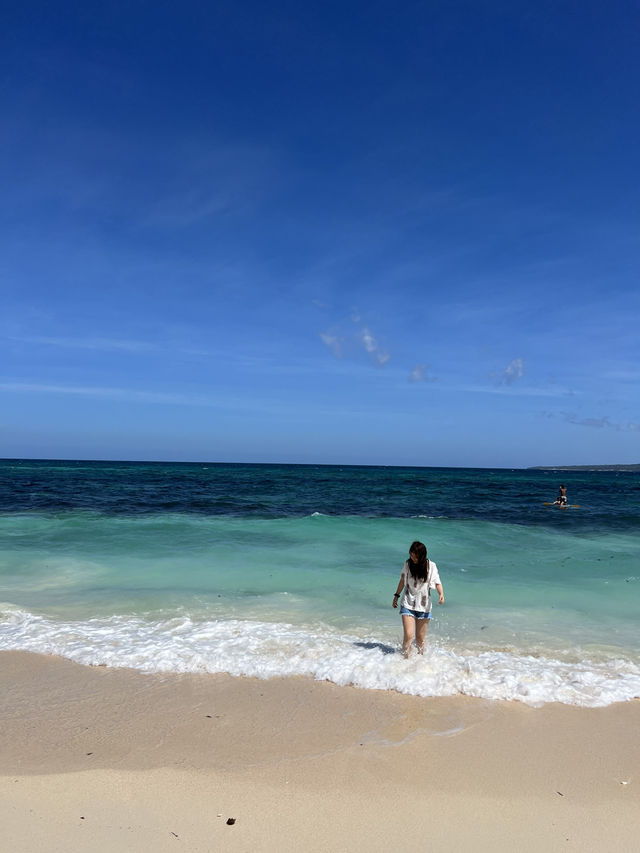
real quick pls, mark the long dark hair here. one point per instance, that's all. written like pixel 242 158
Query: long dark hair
pixel 420 569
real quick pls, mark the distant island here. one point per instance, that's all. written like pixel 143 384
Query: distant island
pixel 584 467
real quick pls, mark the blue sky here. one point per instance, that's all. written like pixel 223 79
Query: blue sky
pixel 357 233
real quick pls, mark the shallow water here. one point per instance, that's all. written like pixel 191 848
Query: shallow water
pixel 283 570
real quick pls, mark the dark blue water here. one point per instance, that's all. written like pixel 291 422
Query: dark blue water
pixel 607 500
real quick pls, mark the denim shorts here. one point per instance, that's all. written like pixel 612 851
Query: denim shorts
pixel 417 614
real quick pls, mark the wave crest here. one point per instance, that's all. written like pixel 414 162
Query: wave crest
pixel 265 650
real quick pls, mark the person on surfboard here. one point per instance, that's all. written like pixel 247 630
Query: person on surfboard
pixel 561 500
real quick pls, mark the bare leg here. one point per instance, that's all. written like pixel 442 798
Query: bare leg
pixel 421 634
pixel 409 628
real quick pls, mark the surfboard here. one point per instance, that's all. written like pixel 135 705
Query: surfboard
pixel 561 506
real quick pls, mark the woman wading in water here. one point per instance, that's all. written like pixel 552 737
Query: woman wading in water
pixel 419 576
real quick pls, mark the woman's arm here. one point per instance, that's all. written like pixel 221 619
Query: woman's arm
pixel 440 593
pixel 399 589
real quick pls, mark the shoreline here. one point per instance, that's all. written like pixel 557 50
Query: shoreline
pixel 104 759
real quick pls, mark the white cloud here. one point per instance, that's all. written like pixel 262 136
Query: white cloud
pixel 419 374
pixel 513 371
pixel 332 342
pixel 372 347
pixel 354 341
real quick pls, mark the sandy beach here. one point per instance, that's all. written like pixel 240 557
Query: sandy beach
pixel 108 759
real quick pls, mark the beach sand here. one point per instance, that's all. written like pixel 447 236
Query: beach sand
pixel 98 759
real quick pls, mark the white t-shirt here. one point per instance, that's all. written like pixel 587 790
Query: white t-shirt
pixel 416 592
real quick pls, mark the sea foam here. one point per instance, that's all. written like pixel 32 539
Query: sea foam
pixel 181 644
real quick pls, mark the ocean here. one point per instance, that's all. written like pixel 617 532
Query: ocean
pixel 283 570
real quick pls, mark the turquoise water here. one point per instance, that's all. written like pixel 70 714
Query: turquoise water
pixel 285 570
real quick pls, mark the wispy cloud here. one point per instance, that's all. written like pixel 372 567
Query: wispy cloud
pixel 419 374
pixel 211 179
pixel 372 347
pixel 98 344
pixel 513 371
pixel 332 342
pixel 353 341
pixel 124 394
pixel 603 422
pixel 594 423
pixel 520 391
pixel 623 375
pixel 187 179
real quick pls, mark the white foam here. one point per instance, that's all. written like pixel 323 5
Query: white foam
pixel 265 650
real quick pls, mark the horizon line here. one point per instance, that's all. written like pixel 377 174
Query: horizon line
pixel 593 466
